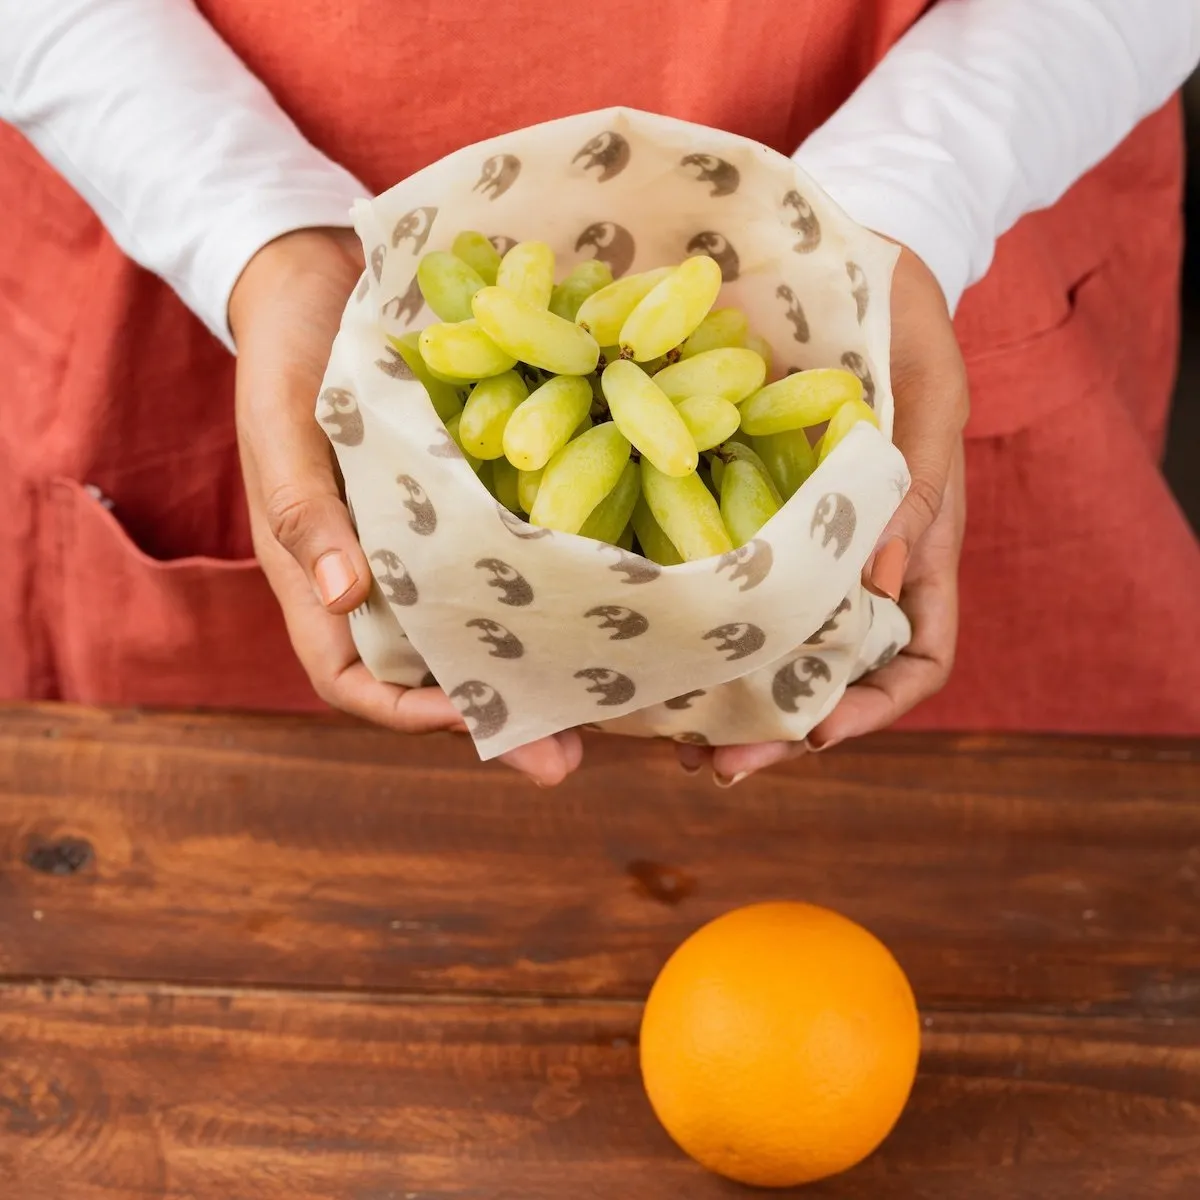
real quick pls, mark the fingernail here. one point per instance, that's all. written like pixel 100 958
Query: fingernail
pixel 887 571
pixel 728 781
pixel 335 576
pixel 690 769
pixel 691 758
pixel 817 744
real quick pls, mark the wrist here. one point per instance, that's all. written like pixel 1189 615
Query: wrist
pixel 284 260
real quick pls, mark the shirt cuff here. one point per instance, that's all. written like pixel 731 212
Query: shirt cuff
pixel 242 231
pixel 880 187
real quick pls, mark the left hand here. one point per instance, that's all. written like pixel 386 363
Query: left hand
pixel 916 558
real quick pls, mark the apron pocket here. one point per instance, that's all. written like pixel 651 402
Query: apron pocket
pixel 128 629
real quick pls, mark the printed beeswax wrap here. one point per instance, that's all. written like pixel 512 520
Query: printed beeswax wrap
pixel 532 631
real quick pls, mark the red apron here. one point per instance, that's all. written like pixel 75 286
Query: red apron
pixel 1080 577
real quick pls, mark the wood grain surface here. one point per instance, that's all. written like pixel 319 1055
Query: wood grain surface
pixel 123 1092
pixel 276 852
pixel 256 959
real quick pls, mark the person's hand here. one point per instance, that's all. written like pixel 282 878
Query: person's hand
pixel 916 558
pixel 284 312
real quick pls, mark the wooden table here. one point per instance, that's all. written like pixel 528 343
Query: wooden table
pixel 258 959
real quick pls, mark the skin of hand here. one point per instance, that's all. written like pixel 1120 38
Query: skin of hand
pixel 916 558
pixel 284 312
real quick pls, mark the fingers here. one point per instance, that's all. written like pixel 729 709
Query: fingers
pixel 302 506
pixel 549 761
pixel 929 382
pixel 693 759
pixel 732 764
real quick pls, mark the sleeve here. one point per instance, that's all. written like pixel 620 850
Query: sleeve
pixel 179 149
pixel 989 109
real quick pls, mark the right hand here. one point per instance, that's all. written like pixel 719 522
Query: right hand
pixel 284 312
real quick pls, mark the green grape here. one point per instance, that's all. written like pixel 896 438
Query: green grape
pixel 527 270
pixel 578 477
pixel 487 411
pixel 583 425
pixel 721 329
pixel 648 419
pixel 535 335
pixel 479 254
pixel 800 400
pixel 738 451
pixel 463 351
pixel 842 422
pixel 655 544
pixel 604 312
pixel 670 312
pixel 528 483
pixel 687 513
pixel 543 424
pixel 584 280
pixel 748 497
pixel 444 397
pixel 762 348
pixel 609 518
pixel 716 469
pixel 710 420
pixel 507 487
pixel 625 541
pixel 487 477
pixel 447 284
pixel 731 373
pixel 788 457
pixel 452 429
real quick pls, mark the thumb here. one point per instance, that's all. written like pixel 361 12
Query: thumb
pixel 303 509
pixel 930 413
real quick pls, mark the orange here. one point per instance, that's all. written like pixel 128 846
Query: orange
pixel 779 1045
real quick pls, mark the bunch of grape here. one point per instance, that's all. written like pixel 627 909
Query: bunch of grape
pixel 629 411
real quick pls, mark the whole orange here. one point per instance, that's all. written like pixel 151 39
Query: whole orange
pixel 779 1044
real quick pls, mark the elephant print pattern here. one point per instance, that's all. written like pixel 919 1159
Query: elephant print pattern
pixel 635 568
pixel 748 565
pixel 482 707
pixel 738 639
pixel 830 625
pixel 717 247
pixel 804 222
pixel 415 227
pixel 795 314
pixel 623 622
pixel 339 414
pixel 519 528
pixel 424 515
pixel 724 177
pixel 407 306
pixel 498 174
pixel 611 686
pixel 796 680
pixel 613 244
pixel 859 289
pixel 394 580
pixel 513 587
pixel 503 642
pixel 836 520
pixel 609 151
pixel 857 365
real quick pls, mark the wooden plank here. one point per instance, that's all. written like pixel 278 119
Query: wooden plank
pixel 1003 872
pixel 120 1093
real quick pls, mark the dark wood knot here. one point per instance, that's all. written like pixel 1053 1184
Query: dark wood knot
pixel 63 856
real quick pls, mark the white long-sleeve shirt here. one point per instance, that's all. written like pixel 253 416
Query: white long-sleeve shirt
pixel 984 111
